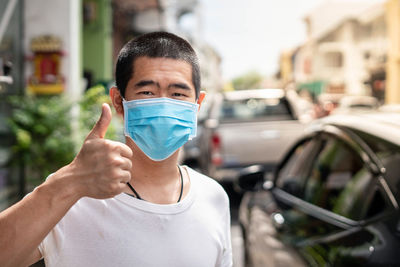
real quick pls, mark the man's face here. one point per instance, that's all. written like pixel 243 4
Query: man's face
pixel 154 78
pixel 161 77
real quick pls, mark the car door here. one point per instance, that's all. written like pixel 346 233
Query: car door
pixel 261 217
pixel 321 202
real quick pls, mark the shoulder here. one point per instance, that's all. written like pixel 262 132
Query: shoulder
pixel 208 187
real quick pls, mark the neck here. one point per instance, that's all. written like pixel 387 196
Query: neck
pixel 154 173
pixel 155 181
pixel 147 171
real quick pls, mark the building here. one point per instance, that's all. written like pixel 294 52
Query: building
pixel 346 49
pixel 393 56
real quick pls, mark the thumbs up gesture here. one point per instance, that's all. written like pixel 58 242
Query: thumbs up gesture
pixel 102 167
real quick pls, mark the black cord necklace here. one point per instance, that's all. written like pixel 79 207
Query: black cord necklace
pixel 138 196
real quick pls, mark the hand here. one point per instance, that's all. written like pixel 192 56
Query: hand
pixel 103 167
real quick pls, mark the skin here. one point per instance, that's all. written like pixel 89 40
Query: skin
pixel 157 181
pixel 102 167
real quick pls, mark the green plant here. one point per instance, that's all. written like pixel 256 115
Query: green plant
pixel 45 139
pixel 90 110
pixel 43 135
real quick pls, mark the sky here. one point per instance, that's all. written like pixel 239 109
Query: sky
pixel 249 35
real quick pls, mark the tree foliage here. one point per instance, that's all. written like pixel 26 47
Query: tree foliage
pixel 250 80
pixel 90 110
pixel 44 134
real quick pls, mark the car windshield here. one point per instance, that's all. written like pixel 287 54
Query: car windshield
pixel 255 109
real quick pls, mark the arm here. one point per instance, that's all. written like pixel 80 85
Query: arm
pixel 100 170
pixel 24 225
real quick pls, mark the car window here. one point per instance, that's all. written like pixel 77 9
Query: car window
pixel 255 109
pixel 292 175
pixel 338 180
pixel 382 148
pixel 389 155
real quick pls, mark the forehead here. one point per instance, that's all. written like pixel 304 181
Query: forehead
pixel 145 67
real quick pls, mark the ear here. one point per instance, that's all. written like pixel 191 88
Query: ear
pixel 202 95
pixel 116 100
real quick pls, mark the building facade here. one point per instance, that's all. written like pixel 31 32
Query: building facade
pixel 346 50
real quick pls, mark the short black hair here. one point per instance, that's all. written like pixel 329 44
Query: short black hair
pixel 155 45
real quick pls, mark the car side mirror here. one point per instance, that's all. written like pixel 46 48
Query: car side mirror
pixel 201 121
pixel 250 177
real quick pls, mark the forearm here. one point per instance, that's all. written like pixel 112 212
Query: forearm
pixel 24 225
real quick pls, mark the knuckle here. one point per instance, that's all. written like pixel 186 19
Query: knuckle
pixel 108 144
pixel 113 174
pixel 117 161
pixel 119 149
pixel 129 163
pixel 124 149
pixel 128 150
pixel 125 176
pixel 87 143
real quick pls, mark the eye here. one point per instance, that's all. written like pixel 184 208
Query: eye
pixel 179 95
pixel 146 93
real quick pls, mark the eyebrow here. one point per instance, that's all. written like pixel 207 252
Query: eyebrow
pixel 180 86
pixel 144 83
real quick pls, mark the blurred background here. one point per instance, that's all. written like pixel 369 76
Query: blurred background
pixel 57 61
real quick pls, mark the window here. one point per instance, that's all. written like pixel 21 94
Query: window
pixel 327 172
pixel 338 180
pixel 389 154
pixel 256 108
pixel 292 175
pixel 333 59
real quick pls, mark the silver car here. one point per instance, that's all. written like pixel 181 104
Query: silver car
pixel 248 127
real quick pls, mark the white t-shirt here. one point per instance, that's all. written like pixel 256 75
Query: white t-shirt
pixel 125 231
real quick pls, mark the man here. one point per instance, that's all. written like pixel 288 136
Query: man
pixel 129 204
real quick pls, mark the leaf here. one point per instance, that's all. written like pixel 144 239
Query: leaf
pixel 23 139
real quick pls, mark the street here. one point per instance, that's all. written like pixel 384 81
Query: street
pixel 236 232
pixel 237 245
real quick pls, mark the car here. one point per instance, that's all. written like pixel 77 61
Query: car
pixel 332 201
pixel 242 125
pixel 190 152
pixel 356 103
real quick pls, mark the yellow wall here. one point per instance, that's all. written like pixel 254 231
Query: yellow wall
pixel 286 67
pixel 392 94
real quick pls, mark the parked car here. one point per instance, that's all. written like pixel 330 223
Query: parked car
pixel 332 201
pixel 190 153
pixel 242 125
pixel 356 103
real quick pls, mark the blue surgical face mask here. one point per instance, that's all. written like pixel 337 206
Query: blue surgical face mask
pixel 160 126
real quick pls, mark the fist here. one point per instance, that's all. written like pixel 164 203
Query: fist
pixel 103 167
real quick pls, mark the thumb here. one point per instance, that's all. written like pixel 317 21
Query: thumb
pixel 100 128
